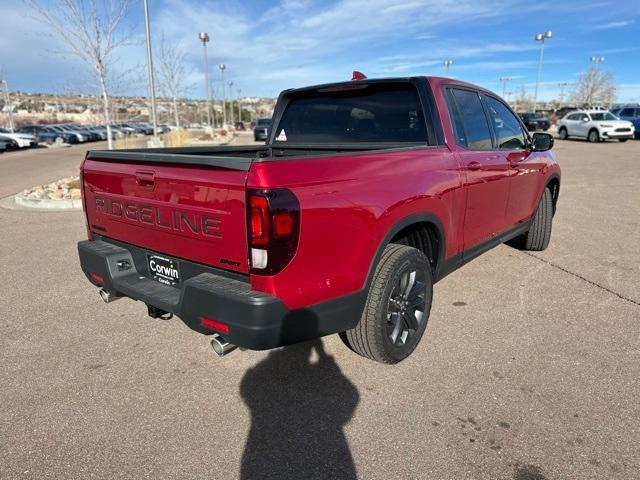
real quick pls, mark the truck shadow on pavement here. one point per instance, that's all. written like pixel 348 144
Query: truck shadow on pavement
pixel 298 410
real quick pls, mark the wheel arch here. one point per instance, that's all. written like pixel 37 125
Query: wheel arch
pixel 414 224
pixel 553 184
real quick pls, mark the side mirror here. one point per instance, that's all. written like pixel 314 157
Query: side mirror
pixel 585 119
pixel 541 142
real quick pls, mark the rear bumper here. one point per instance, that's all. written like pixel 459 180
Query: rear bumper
pixel 255 320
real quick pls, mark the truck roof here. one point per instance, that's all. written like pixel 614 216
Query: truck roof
pixel 433 80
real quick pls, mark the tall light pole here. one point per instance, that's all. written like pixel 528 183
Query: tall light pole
pixel 152 84
pixel 562 85
pixel 230 83
pixel 504 81
pixel 239 107
pixel 6 102
pixel 222 68
pixel 596 60
pixel 204 38
pixel 447 64
pixel 540 37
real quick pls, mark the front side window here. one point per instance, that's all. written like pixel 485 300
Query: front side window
pixel 598 117
pixel 470 122
pixel 509 134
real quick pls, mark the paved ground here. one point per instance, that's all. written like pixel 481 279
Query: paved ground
pixel 529 368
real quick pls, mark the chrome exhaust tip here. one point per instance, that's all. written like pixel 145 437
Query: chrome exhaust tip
pixel 108 297
pixel 220 346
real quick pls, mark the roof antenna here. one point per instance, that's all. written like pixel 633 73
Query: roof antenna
pixel 358 75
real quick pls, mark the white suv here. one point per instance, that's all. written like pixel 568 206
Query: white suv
pixel 594 125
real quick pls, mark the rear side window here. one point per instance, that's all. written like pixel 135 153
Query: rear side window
pixel 368 113
pixel 470 122
pixel 506 126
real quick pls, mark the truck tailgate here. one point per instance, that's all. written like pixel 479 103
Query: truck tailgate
pixel 192 212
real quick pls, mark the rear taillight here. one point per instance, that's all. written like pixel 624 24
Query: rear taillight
pixel 273 227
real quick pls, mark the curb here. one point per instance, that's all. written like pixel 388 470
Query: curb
pixel 48 203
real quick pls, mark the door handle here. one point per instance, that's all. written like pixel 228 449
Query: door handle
pixel 145 179
pixel 474 165
pixel 515 161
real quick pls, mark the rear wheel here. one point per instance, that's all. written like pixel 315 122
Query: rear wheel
pixel 594 136
pixel 397 309
pixel 539 233
pixel 562 133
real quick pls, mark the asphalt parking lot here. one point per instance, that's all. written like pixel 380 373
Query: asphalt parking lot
pixel 529 368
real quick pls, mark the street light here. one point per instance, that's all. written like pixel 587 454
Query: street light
pixel 230 83
pixel 204 38
pixel 6 102
pixel 504 81
pixel 222 68
pixel 152 85
pixel 596 60
pixel 562 85
pixel 239 107
pixel 540 37
pixel 447 64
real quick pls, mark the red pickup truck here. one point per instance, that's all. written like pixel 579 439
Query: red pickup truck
pixel 365 194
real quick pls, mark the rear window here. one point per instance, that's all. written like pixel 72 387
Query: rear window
pixel 368 113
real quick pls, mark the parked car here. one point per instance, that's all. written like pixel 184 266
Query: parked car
pixel 360 201
pixel 630 114
pixel 80 138
pixel 138 128
pixel 535 121
pixel 90 135
pixel 100 131
pixel 562 112
pixel 126 129
pixel 595 125
pixel 9 143
pixel 21 139
pixel 261 130
pixel 45 134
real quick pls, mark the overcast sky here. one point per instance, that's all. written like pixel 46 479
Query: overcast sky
pixel 270 46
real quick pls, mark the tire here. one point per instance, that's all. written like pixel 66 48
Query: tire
pixel 622 140
pixel 390 328
pixel 594 136
pixel 562 133
pixel 537 237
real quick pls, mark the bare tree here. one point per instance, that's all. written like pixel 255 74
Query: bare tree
pixel 90 30
pixel 173 72
pixel 594 87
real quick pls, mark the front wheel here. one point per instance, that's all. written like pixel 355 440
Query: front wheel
pixel 594 136
pixel 622 140
pixel 537 237
pixel 562 133
pixel 397 309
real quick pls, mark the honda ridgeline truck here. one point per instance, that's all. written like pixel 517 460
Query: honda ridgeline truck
pixel 364 195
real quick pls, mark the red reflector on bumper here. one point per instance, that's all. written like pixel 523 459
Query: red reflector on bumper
pixel 221 327
pixel 97 278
